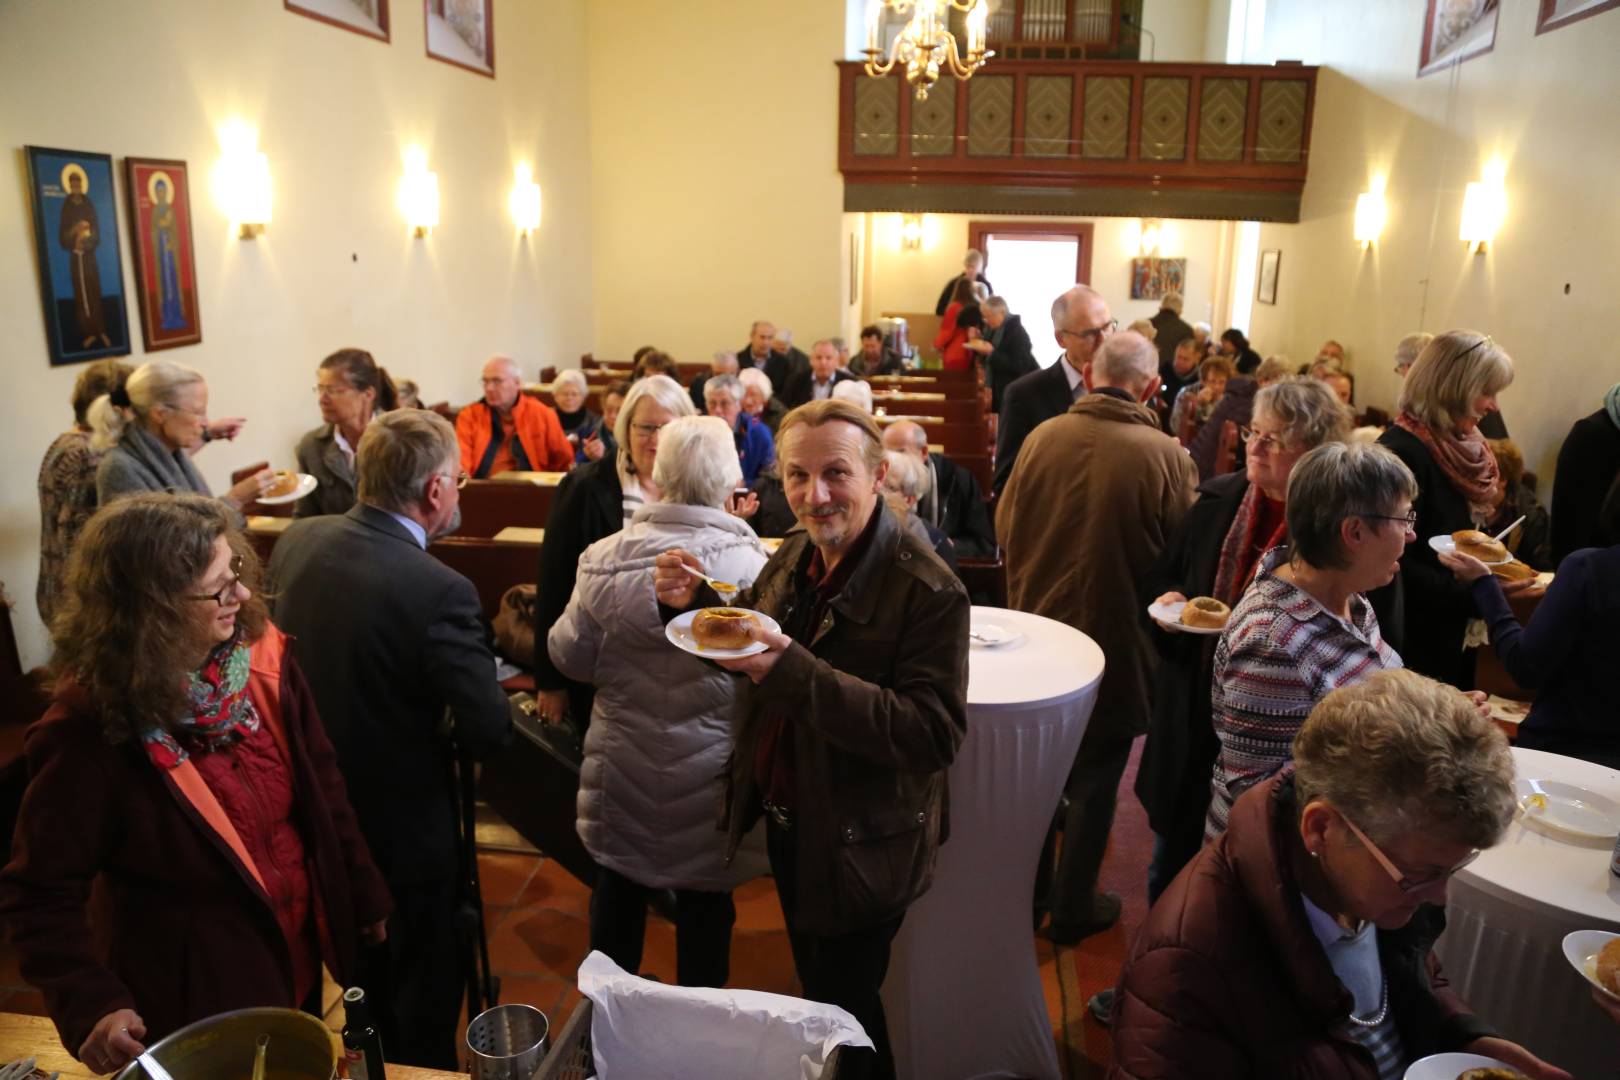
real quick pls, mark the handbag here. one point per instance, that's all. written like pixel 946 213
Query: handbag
pixel 514 624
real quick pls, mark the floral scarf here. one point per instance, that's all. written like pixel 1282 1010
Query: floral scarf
pixel 1467 462
pixel 1242 548
pixel 222 713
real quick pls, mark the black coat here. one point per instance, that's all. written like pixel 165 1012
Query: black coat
pixel 1179 756
pixel 774 516
pixel 588 507
pixel 1426 624
pixel 800 386
pixel 956 507
pixel 1237 405
pixel 388 637
pixel 950 287
pixel 1029 402
pixel 1588 470
pixel 1170 330
pixel 1013 358
pixel 780 368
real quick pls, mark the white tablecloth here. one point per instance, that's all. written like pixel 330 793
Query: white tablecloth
pixel 1506 917
pixel 963 996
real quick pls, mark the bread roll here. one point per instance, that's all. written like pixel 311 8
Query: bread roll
pixel 1513 570
pixel 1480 546
pixel 1206 612
pixel 1608 966
pixel 723 628
pixel 285 483
pixel 1492 1073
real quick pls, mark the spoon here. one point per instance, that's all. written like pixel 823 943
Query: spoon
pixel 261 1047
pixel 725 589
pixel 153 1069
pixel 1510 528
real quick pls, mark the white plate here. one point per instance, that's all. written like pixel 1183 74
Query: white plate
pixel 1450 1066
pixel 1581 949
pixel 990 636
pixel 1445 545
pixel 1169 617
pixel 306 484
pixel 679 632
pixel 1567 811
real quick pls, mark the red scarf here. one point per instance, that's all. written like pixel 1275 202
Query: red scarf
pixel 1244 544
pixel 1467 462
pixel 222 713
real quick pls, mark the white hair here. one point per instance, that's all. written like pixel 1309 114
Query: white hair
pixel 512 367
pixel 697 462
pixel 1203 326
pixel 1171 302
pixel 1407 350
pixel 784 334
pixel 715 385
pixel 993 303
pixel 757 379
pixel 856 392
pixel 571 377
pixel 664 391
pixel 154 383
pixel 1060 306
pixel 907 475
pixel 725 361
pixel 1126 359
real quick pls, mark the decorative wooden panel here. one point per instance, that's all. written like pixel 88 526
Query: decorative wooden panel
pixel 990 116
pixel 1223 108
pixel 1281 134
pixel 933 121
pixel 1107 116
pixel 1164 119
pixel 877 116
pixel 1048 115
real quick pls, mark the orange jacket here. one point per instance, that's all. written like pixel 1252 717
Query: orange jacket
pixel 538 430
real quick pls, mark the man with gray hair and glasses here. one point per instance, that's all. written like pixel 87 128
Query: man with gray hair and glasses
pixel 389 638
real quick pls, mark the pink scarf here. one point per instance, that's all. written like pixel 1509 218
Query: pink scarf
pixel 1467 462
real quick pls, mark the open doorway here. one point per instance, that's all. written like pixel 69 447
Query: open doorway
pixel 1031 263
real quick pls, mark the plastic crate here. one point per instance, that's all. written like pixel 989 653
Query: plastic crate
pixel 570 1056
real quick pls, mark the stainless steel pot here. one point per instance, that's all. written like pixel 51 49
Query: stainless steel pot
pixel 222 1048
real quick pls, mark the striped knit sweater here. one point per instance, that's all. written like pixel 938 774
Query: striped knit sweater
pixel 1280 654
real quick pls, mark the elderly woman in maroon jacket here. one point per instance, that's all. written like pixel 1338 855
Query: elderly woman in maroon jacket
pixel 1300 943
pixel 185 845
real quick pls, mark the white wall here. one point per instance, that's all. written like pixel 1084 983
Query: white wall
pixel 1178 29
pixel 334 110
pixel 1549 108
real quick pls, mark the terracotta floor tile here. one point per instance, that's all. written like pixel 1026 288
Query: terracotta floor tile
pixel 540 941
pixel 554 887
pixel 502 876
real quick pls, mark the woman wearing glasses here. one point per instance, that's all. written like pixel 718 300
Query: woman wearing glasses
pixel 1300 944
pixel 184 780
pixel 1238 517
pixel 597 500
pixel 1452 386
pixel 1304 627
pixel 350 388
pixel 151 426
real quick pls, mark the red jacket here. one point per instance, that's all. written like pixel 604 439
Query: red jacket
pixel 1227 979
pixel 538 430
pixel 951 341
pixel 129 888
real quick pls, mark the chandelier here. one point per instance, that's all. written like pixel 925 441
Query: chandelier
pixel 926 46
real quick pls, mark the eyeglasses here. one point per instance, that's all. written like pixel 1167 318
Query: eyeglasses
pixel 1096 333
pixel 1409 519
pixel 460 478
pixel 1266 441
pixel 1402 882
pixel 331 391
pixel 646 431
pixel 228 592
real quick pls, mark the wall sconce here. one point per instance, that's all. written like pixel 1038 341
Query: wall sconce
pixel 1152 237
pixel 911 232
pixel 1370 212
pixel 242 181
pixel 419 195
pixel 1484 207
pixel 524 202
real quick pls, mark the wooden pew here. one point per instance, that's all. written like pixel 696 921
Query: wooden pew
pixel 488 506
pixel 493 566
pixel 952 411
pixel 971 440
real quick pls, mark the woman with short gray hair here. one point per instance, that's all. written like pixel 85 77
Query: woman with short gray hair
pixel 1304 627
pixel 906 484
pixel 661 723
pixel 581 427
pixel 1451 388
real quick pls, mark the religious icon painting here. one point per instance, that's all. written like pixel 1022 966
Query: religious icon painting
pixel 461 32
pixel 81 276
pixel 160 240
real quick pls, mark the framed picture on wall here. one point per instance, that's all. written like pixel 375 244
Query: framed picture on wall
pixel 1266 288
pixel 1555 14
pixel 165 262
pixel 462 32
pixel 368 17
pixel 1153 277
pixel 1456 30
pixel 81 276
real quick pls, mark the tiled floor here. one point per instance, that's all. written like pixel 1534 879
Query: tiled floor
pixel 537 919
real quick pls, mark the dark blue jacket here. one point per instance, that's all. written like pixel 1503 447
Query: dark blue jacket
pixel 755 447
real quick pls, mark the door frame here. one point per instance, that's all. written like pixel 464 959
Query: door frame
pixel 1082 232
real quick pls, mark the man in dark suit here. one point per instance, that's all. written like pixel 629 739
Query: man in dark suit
pixel 757 353
pixel 1169 331
pixel 953 503
pixel 390 637
pixel 1081 323
pixel 1005 347
pixel 973 270
pixel 788 362
pixel 816 381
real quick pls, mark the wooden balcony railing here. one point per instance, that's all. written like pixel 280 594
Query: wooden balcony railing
pixel 1094 137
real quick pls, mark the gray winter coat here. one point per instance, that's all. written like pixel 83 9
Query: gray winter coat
pixel 662 725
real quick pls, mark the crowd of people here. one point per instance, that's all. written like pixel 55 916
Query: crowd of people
pixel 252 765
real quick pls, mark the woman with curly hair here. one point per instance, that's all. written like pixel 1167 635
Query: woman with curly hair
pixel 185 845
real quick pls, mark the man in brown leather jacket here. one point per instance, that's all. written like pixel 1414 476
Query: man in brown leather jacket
pixel 857 709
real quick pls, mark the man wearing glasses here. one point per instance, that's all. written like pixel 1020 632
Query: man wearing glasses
pixel 508 430
pixel 389 638
pixel 1081 323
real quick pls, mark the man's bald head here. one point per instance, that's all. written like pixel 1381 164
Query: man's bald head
pixel 1127 362
pixel 1081 322
pixel 907 437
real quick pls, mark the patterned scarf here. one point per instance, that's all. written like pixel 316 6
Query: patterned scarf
pixel 1242 548
pixel 222 714
pixel 1611 404
pixel 1467 462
